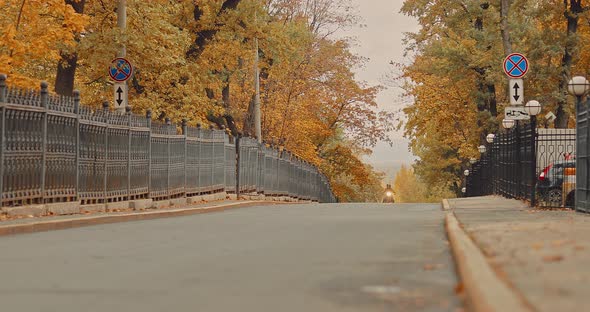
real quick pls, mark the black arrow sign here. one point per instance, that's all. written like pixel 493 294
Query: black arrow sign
pixel 516 96
pixel 119 98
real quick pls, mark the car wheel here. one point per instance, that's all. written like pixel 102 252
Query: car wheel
pixel 554 197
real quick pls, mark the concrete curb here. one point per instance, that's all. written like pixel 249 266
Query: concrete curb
pixel 445 205
pixel 484 289
pixel 51 225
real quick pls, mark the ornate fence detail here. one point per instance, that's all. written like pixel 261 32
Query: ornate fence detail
pixel 527 163
pixel 52 149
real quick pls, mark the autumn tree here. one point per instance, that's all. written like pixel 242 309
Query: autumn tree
pixel 194 59
pixel 68 62
pixel 32 34
pixel 456 81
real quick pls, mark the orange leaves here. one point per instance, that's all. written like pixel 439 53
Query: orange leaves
pixel 310 98
pixel 32 33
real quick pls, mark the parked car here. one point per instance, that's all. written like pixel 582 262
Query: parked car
pixel 550 183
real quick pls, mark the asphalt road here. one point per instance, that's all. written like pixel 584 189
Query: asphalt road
pixel 273 258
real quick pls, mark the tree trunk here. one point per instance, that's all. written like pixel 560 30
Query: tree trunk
pixel 572 16
pixel 486 102
pixel 66 66
pixel 66 73
pixel 202 38
pixel 205 35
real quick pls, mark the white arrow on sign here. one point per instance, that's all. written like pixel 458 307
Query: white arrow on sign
pixel 516 91
pixel 516 113
pixel 120 92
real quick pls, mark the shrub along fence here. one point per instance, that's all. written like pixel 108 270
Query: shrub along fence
pixel 527 163
pixel 54 150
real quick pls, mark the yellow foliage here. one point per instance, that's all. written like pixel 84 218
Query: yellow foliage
pixel 32 32
pixel 311 101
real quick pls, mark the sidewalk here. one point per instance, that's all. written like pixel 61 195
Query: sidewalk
pixel 49 223
pixel 543 255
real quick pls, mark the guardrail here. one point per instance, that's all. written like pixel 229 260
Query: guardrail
pixel 52 149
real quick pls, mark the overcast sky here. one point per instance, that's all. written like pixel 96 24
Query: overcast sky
pixel 380 39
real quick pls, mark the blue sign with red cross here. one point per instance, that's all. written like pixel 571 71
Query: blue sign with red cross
pixel 120 69
pixel 516 65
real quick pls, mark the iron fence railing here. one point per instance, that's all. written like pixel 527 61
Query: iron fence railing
pixel 52 149
pixel 527 163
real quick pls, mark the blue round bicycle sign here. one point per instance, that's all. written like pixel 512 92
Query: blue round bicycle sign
pixel 516 65
pixel 120 69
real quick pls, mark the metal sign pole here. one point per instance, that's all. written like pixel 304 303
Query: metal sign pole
pixel 120 89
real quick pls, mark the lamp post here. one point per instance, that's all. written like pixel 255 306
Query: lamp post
pixel 578 86
pixel 490 138
pixel 508 123
pixel 514 158
pixel 466 174
pixel 533 108
pixel 482 171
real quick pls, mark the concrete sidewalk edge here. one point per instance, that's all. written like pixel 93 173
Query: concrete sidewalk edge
pixel 51 225
pixel 484 289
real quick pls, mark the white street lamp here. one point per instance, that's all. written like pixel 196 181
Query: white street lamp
pixel 464 190
pixel 508 123
pixel 578 86
pixel 490 138
pixel 533 108
pixel 466 173
pixel 481 149
pixel 472 161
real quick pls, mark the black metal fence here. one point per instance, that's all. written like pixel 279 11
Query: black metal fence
pixel 582 162
pixel 527 163
pixel 52 149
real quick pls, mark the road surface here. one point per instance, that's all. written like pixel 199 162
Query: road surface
pixel 274 258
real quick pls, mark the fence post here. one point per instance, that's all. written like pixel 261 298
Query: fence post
pixel 148 117
pixel 518 163
pixel 44 104
pixel 504 164
pixel 3 88
pixel 533 159
pixel 223 159
pixel 213 160
pixel 105 107
pixel 2 138
pixel 185 133
pixel 199 160
pixel 238 138
pixel 76 94
pixel 168 123
pixel 128 114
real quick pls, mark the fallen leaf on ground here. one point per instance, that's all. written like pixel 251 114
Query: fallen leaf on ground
pixel 459 288
pixel 553 258
pixel 537 246
pixel 561 242
pixel 430 267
